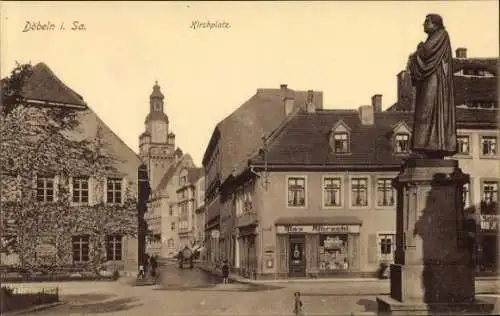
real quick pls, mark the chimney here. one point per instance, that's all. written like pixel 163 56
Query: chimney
pixel 288 99
pixel 366 114
pixel 377 103
pixel 461 52
pixel 311 107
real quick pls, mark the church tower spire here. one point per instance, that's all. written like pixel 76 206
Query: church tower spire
pixel 156 143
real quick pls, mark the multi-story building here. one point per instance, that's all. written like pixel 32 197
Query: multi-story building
pixel 186 206
pixel 476 84
pixel 232 141
pixel 157 151
pixel 163 211
pixel 317 199
pixel 73 202
pixel 199 217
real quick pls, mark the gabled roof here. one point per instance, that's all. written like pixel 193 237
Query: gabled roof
pixel 44 85
pixel 194 174
pixel 305 139
pixel 171 172
pixel 241 132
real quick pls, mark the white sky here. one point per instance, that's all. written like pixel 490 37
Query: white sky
pixel 349 50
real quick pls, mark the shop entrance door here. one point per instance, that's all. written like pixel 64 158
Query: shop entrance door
pixel 297 261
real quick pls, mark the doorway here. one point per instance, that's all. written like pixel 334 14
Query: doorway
pixel 297 260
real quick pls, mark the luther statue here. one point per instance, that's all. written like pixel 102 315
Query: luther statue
pixel 431 70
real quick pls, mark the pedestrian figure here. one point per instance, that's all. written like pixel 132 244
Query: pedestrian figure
pixel 225 271
pixel 141 272
pixel 154 264
pixel 297 309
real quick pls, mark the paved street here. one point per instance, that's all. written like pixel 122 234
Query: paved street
pixel 193 292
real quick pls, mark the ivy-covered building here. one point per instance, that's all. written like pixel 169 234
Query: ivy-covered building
pixel 68 182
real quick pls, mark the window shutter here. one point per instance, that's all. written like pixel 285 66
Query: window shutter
pixel 91 190
pixel 105 190
pixel 70 188
pixel 56 188
pixel 372 248
pixel 124 190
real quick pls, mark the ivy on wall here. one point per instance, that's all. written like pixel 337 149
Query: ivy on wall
pixel 37 141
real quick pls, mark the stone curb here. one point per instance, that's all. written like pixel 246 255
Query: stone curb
pixel 33 309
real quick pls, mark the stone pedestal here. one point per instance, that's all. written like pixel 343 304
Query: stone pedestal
pixel 433 272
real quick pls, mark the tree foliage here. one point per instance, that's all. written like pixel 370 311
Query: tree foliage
pixel 38 140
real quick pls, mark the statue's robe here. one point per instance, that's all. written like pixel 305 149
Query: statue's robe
pixel 431 70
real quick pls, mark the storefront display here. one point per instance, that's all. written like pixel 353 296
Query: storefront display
pixel 333 252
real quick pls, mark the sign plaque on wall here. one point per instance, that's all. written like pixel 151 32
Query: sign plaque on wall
pixel 317 228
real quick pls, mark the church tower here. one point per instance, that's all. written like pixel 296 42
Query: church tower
pixel 156 143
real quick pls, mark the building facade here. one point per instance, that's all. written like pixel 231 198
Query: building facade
pixel 78 205
pixel 476 94
pixel 328 209
pixel 233 140
pixel 187 206
pixel 199 217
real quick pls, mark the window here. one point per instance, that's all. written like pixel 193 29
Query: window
pixel 296 191
pixel 331 192
pixel 333 252
pixel 170 243
pixel 247 202
pixel 359 191
pixel 80 248
pixel 171 210
pixel 45 189
pixel 385 192
pixel 8 243
pixel 183 225
pixel 172 226
pixel 466 194
pixel 402 143
pixel 114 247
pixel 81 190
pixel 386 246
pixel 182 179
pixel 157 238
pixel 489 198
pixel 341 142
pixel 463 146
pixel 489 145
pixel 114 190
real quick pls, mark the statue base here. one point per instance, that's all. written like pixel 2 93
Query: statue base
pixel 434 272
pixel 387 306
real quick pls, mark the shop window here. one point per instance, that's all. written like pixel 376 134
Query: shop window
pixel 463 146
pixel 385 192
pixel 333 254
pixel 331 192
pixel 296 191
pixel 386 249
pixel 359 191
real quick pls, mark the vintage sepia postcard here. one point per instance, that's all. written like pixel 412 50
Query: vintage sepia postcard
pixel 249 158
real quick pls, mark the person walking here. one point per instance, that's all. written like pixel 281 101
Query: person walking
pixel 225 271
pixel 297 309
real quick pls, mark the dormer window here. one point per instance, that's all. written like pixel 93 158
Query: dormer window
pixel 402 143
pixel 341 142
pixel 340 138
